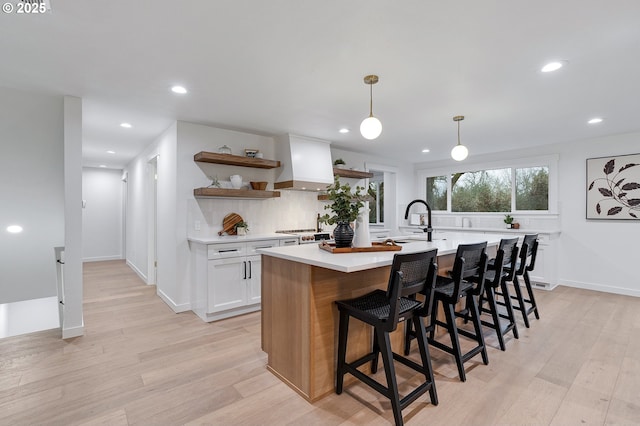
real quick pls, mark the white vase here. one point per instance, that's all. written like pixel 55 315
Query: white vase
pixel 362 238
pixel 236 181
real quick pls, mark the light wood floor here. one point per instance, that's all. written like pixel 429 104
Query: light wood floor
pixel 140 363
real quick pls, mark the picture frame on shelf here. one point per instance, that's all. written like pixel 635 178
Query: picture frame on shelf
pixel 251 153
pixel 613 188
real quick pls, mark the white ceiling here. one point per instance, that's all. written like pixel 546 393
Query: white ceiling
pixel 272 67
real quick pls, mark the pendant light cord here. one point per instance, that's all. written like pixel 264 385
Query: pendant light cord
pixel 370 99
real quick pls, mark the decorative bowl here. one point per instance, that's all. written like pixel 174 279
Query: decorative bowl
pixel 261 186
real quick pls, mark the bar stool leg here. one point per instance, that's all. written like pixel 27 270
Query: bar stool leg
pixel 507 303
pixel 390 372
pixel 421 336
pixel 521 305
pixel 493 307
pixel 478 327
pixel 532 299
pixel 343 329
pixel 455 340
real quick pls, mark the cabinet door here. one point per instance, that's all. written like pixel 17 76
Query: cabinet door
pixel 254 279
pixel 227 287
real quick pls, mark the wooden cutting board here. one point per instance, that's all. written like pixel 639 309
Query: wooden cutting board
pixel 229 223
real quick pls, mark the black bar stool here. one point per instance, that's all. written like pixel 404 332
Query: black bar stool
pixel 465 282
pixel 501 270
pixel 526 264
pixel 410 274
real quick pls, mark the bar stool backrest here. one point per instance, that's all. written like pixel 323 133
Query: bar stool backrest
pixel 510 248
pixel 411 274
pixel 529 251
pixel 470 264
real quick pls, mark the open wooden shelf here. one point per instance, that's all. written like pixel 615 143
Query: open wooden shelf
pixel 235 160
pixel 234 193
pixel 348 173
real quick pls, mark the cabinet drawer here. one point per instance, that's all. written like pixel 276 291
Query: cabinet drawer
pixel 220 251
pixel 252 246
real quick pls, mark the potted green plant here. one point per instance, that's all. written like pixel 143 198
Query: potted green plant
pixel 345 206
pixel 339 162
pixel 242 227
pixel 508 219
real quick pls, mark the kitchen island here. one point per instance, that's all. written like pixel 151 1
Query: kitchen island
pixel 299 317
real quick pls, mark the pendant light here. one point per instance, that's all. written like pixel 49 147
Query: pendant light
pixel 371 127
pixel 459 152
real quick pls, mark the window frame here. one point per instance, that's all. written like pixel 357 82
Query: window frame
pixel 550 161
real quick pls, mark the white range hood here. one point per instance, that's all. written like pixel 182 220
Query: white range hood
pixel 306 163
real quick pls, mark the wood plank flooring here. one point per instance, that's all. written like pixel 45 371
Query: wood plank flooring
pixel 141 364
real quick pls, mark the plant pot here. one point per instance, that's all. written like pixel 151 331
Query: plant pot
pixel 241 230
pixel 343 234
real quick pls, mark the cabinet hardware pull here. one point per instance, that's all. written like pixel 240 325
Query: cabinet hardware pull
pixel 227 251
pixel 261 247
pixel 245 270
pixel 249 269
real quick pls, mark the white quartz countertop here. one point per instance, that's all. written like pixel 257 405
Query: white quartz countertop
pixel 238 238
pixel 505 231
pixel 311 254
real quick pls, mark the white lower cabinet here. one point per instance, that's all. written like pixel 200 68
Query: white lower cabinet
pixel 227 278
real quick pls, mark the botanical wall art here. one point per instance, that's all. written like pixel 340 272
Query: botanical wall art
pixel 613 187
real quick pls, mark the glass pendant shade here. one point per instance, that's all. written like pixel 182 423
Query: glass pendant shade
pixel 459 152
pixel 370 128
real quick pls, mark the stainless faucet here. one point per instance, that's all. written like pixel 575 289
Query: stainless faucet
pixel 318 227
pixel 428 229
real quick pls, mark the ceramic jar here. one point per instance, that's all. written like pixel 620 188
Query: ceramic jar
pixel 236 181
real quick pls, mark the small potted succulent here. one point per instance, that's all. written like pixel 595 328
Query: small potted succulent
pixel 345 206
pixel 508 220
pixel 242 228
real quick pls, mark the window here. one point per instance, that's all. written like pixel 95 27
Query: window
pixel 532 188
pixel 437 187
pixel 481 191
pixel 506 186
pixel 376 192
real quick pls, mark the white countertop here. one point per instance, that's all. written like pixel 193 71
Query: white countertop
pixel 504 231
pixel 238 238
pixel 311 254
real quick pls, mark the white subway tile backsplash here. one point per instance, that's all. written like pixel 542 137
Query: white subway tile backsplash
pixel 293 210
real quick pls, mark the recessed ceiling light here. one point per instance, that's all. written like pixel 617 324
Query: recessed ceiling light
pixel 595 120
pixel 179 89
pixel 425 150
pixel 344 130
pixel 552 66
pixel 111 152
pixel 126 125
pixel 102 166
pixel 14 229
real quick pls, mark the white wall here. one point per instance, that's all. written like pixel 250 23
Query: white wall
pixel 102 214
pixel 32 193
pixel 595 254
pixel 139 200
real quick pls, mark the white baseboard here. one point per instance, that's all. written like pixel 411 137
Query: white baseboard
pixel 137 271
pixel 177 308
pixel 600 287
pixel 101 258
pixel 68 333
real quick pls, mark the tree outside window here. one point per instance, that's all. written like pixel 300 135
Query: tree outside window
pixel 437 192
pixel 532 188
pixel 481 191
